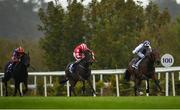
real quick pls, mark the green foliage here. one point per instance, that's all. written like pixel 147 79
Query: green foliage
pixel 62 30
pixel 116 23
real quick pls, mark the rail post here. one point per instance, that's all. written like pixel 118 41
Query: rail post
pixel 94 84
pixel 167 84
pixel 101 79
pixel 117 85
pixel 45 86
pixel 173 84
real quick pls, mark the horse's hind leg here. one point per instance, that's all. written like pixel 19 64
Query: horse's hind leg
pixel 137 87
pixel 83 88
pixel 5 85
pixel 72 83
pixel 5 80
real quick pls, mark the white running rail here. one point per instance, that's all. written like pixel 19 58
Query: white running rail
pixel 116 72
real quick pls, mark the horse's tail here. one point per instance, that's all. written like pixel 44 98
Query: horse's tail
pixel 127 75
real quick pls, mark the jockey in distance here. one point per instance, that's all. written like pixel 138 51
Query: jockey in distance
pixel 78 55
pixel 141 50
pixel 16 55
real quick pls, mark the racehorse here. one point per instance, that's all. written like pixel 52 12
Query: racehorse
pixel 145 71
pixel 19 74
pixel 82 73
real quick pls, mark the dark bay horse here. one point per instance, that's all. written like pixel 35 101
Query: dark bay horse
pixel 81 73
pixel 19 74
pixel 145 71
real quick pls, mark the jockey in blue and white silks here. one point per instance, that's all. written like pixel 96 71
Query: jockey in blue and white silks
pixel 141 51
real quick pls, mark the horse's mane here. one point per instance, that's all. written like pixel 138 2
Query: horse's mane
pixel 153 55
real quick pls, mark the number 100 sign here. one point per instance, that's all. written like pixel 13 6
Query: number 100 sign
pixel 167 60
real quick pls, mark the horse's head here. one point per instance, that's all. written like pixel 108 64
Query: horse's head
pixel 25 59
pixel 155 56
pixel 89 56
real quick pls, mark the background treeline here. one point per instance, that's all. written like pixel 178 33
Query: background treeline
pixel 112 28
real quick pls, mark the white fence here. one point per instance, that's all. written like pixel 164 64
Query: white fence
pixel 116 72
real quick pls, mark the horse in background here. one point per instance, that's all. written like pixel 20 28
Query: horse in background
pixel 19 74
pixel 81 73
pixel 145 71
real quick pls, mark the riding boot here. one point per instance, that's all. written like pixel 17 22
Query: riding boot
pixel 137 64
pixel 134 63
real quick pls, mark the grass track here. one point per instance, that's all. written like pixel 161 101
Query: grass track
pixel 90 102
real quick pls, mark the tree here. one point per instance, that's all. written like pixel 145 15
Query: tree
pixel 63 30
pixel 114 26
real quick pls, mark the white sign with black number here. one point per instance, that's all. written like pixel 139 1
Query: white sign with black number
pixel 167 60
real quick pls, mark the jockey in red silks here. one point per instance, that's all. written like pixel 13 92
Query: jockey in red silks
pixel 17 54
pixel 78 55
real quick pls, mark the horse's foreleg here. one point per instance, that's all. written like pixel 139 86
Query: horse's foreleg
pixel 158 85
pixel 90 84
pixel 26 87
pixel 147 88
pixel 156 81
pixel 83 88
pixel 17 88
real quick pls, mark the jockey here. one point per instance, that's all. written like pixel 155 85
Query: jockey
pixel 141 50
pixel 17 54
pixel 78 55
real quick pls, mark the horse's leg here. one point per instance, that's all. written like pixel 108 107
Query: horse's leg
pixel 83 88
pixel 5 79
pixel 5 85
pixel 90 84
pixel 26 87
pixel 157 86
pixel 72 83
pixel 147 89
pixel 156 81
pixel 137 87
pixel 17 88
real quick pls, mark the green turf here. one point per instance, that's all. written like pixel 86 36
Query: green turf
pixel 90 102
